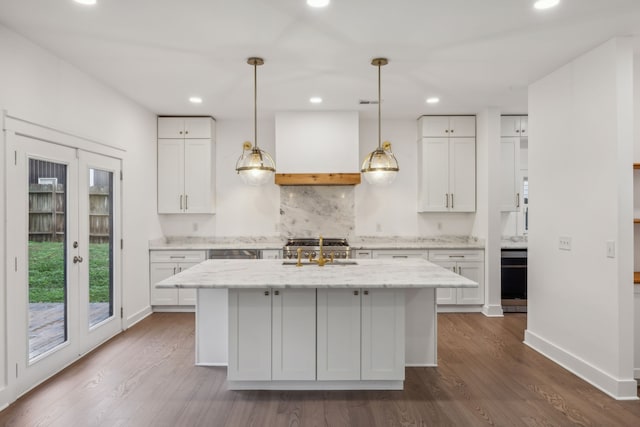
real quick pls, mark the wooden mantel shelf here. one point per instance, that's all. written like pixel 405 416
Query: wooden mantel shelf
pixel 636 165
pixel 636 277
pixel 317 178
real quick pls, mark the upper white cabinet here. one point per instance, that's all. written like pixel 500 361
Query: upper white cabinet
pixel 446 126
pixel 186 127
pixel 514 140
pixel 186 160
pixel 447 164
pixel 514 126
pixel 509 174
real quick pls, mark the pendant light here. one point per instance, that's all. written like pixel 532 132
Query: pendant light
pixel 255 166
pixel 380 166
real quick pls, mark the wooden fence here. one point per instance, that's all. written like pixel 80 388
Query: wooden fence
pixel 47 213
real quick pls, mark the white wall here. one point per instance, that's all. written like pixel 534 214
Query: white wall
pixel 580 301
pixel 37 86
pixel 636 205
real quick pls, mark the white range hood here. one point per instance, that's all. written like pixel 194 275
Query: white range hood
pixel 317 148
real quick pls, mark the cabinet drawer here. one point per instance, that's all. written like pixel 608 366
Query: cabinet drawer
pixel 177 256
pixel 399 253
pixel 456 255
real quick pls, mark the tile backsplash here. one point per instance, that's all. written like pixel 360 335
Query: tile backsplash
pixel 308 211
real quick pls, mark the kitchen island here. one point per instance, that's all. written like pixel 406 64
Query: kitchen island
pixel 347 325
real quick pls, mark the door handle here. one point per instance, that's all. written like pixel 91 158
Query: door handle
pixel 451 200
pixel 517 200
pixel 77 259
pixel 181 202
pixel 186 202
pixel 446 196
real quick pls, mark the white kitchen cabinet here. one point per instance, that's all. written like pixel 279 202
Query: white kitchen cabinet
pixel 383 326
pixel 249 335
pixel 514 126
pixel 510 174
pixel 272 334
pixel 447 175
pixel 361 253
pixel 447 126
pixel 186 172
pixel 293 338
pixel 399 253
pixel 338 334
pixel 467 263
pixel 185 127
pixel 360 334
pixel 164 264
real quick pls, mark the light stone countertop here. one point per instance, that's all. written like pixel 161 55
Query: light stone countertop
pixel 514 242
pixel 355 242
pixel 405 273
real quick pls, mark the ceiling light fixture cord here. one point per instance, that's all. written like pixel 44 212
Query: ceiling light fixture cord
pixel 255 103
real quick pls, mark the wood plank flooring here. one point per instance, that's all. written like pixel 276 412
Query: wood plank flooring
pixel 486 377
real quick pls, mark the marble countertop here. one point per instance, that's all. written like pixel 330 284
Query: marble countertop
pixel 405 273
pixel 514 242
pixel 356 242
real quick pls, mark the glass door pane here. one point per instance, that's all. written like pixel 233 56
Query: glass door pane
pixel 100 245
pixel 47 256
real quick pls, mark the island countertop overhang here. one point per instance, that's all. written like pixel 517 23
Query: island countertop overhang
pixel 376 273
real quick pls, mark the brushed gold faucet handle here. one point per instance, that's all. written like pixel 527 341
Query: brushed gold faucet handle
pixel 299 263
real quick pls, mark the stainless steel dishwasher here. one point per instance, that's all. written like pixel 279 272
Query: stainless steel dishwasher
pixel 233 254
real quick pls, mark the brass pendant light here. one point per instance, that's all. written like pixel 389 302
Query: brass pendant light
pixel 255 166
pixel 380 166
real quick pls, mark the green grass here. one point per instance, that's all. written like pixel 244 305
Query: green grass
pixel 46 272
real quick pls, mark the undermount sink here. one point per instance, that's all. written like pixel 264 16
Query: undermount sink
pixel 306 262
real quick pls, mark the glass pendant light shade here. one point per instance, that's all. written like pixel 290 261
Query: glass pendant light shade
pixel 255 166
pixel 380 167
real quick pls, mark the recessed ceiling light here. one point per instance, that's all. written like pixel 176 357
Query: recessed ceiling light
pixel 87 2
pixel 315 100
pixel 318 3
pixel 195 100
pixel 433 100
pixel 545 4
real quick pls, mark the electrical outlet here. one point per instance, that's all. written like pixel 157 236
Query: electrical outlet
pixel 611 249
pixel 378 227
pixel 195 226
pixel 564 243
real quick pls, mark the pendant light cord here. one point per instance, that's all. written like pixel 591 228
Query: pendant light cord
pixel 379 110
pixel 255 105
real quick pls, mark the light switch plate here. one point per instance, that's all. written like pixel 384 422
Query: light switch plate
pixel 611 248
pixel 564 243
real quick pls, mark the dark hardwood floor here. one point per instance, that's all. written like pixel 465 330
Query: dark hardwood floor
pixel 146 377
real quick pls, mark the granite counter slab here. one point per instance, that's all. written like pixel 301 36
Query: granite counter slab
pixel 406 273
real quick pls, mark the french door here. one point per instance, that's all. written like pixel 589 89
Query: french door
pixel 63 254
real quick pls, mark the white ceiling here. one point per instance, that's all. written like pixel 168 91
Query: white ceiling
pixel 470 53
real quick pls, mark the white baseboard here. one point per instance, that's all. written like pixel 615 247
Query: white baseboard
pixel 620 389
pixel 459 308
pixel 174 309
pixel 492 310
pixel 636 373
pixel 136 317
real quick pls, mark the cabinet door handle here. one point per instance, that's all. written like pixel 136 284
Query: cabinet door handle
pixel 266 293
pixel 186 132
pixel 356 293
pixel 179 269
pixel 178 256
pixel 456 256
pixel 451 200
pixel 276 293
pixel 366 292
pixel 517 200
pixel 451 131
pixel 446 198
pixel 174 270
pixel 446 131
pixel 181 202
pixel 186 202
pixel 180 132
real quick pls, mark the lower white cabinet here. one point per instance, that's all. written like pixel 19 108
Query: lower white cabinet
pixel 308 335
pixel 399 253
pixel 293 339
pixel 467 263
pixel 164 264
